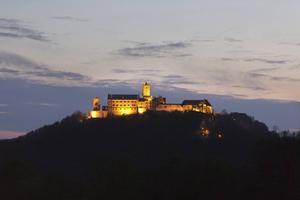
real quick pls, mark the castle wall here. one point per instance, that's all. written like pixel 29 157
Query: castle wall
pixel 174 107
pixel 98 114
pixel 143 106
pixel 121 107
pixel 184 108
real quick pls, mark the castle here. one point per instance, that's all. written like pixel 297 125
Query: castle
pixel 130 104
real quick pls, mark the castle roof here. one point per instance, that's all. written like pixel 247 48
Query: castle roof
pixel 123 96
pixel 142 99
pixel 196 102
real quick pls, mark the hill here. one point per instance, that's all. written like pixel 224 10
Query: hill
pixel 151 156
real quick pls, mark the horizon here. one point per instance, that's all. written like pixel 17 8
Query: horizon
pixel 56 56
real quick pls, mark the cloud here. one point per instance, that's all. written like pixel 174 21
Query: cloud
pixel 42 104
pixel 228 59
pixel 138 43
pixel 183 55
pixel 13 28
pixel 266 61
pixel 15 60
pixel 107 82
pixel 58 74
pixel 198 40
pixel 10 134
pixel 173 76
pixel 171 79
pixel 251 87
pixel 266 69
pixel 6 70
pixel 263 60
pixel 122 71
pixel 273 78
pixel 177 80
pixel 19 66
pixel 69 18
pixel 257 75
pixel 10 35
pixel 288 79
pixel 134 71
pixel 155 50
pixel 233 40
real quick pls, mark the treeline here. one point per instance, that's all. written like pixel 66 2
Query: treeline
pixel 152 156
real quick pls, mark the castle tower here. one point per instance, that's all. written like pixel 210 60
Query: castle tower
pixel 97 112
pixel 146 90
pixel 96 103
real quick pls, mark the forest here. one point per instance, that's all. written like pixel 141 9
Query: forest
pixel 157 155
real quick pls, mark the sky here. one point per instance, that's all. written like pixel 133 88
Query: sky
pixel 56 55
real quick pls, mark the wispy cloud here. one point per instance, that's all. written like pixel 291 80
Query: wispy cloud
pixel 228 59
pixel 182 55
pixel 44 104
pixel 177 80
pixel 268 61
pixel 251 87
pixel 255 75
pixel 233 40
pixel 171 79
pixel 134 71
pixel 6 70
pixel 266 69
pixel 156 50
pixel 204 41
pixel 262 60
pixel 122 71
pixel 13 28
pixel 109 82
pixel 173 76
pixel 58 74
pixel 16 65
pixel 138 43
pixel 288 79
pixel 69 18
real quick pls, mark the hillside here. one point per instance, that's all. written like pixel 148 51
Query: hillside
pixel 151 156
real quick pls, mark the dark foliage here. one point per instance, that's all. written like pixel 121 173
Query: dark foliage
pixel 151 156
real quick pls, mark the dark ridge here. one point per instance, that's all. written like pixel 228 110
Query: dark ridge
pixel 157 155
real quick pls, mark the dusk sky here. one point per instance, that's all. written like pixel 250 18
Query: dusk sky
pixel 56 55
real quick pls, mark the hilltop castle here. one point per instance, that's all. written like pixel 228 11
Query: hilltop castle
pixel 130 104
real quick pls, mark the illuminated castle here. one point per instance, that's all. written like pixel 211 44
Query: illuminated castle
pixel 130 104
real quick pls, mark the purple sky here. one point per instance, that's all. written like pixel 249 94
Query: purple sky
pixel 56 55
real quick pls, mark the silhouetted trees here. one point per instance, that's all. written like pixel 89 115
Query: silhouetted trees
pixel 151 156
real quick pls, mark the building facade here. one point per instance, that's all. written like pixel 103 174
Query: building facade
pixel 118 104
